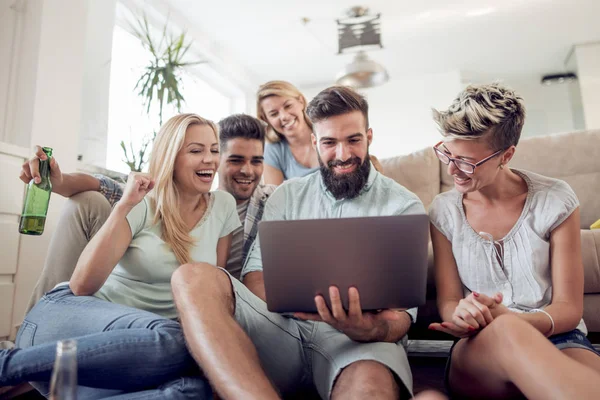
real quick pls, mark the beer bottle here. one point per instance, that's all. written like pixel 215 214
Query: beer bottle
pixel 37 198
pixel 63 385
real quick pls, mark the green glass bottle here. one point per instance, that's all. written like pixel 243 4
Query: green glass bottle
pixel 37 198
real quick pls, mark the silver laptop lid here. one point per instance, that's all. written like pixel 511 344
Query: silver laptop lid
pixel 384 257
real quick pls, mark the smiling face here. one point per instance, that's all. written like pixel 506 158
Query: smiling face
pixel 284 114
pixel 342 144
pixel 473 151
pixel 197 160
pixel 241 167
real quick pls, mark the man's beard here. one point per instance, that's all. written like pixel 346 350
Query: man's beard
pixel 349 185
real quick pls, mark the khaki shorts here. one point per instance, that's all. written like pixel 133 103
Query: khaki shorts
pixel 298 354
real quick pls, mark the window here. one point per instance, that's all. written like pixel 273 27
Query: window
pixel 128 119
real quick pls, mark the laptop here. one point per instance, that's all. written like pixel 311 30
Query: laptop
pixel 385 258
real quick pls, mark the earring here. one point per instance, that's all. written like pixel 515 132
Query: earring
pixel 501 166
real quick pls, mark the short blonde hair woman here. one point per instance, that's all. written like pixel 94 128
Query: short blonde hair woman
pixel 119 298
pixel 507 260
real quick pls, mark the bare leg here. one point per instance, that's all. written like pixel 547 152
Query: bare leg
pixel 430 395
pixel 80 219
pixel 510 357
pixel 366 380
pixel 585 357
pixel 225 353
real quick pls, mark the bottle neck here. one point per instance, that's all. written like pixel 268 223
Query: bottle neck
pixel 45 169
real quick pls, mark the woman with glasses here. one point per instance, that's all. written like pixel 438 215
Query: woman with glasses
pixel 507 259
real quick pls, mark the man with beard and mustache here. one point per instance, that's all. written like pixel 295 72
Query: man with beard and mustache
pixel 241 141
pixel 248 352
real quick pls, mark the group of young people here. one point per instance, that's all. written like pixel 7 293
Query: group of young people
pixel 162 284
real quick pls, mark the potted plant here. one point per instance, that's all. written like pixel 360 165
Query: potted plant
pixel 160 82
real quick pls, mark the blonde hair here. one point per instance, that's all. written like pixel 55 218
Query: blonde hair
pixel 282 89
pixel 493 112
pixel 165 196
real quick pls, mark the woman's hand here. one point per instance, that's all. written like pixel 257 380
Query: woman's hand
pixel 138 186
pixel 472 314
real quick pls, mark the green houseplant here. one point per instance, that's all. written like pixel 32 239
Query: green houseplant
pixel 160 83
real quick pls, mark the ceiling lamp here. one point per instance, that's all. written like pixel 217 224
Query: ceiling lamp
pixel 360 30
pixel 362 73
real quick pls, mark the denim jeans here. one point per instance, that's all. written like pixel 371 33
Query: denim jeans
pixel 122 352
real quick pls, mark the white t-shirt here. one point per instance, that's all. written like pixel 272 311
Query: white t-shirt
pixel 142 278
pixel 520 266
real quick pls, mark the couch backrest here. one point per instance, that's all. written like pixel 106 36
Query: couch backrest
pixel 573 157
pixel 419 172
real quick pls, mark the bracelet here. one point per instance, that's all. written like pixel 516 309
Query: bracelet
pixel 549 316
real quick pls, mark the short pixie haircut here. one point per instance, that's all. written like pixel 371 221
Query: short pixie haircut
pixel 491 112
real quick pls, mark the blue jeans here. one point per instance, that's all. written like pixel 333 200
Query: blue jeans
pixel 121 351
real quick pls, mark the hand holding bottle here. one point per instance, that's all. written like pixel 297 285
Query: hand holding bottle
pixel 31 169
pixel 37 197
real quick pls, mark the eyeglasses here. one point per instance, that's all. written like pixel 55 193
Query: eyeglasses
pixel 464 166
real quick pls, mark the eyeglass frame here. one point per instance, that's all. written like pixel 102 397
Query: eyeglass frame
pixel 454 159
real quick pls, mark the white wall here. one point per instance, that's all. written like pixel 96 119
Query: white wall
pixel 400 111
pixel 96 81
pixel 575 94
pixel 549 108
pixel 588 71
pixel 20 25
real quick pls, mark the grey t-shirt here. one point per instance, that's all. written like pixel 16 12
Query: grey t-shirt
pixel 235 262
pixel 279 155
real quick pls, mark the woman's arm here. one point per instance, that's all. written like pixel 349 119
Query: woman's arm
pixel 566 307
pixel 447 281
pixel 272 175
pixel 106 248
pixel 102 253
pixel 223 247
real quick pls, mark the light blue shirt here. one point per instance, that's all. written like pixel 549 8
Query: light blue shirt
pixel 279 155
pixel 308 198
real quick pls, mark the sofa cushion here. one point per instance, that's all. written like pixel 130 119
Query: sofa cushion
pixel 591 312
pixel 590 251
pixel 572 157
pixel 419 172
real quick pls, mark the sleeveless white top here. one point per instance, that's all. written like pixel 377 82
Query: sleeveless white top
pixel 517 265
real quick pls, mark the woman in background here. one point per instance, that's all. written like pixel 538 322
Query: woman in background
pixel 289 152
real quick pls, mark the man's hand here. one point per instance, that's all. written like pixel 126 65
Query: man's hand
pixel 138 186
pixel 472 314
pixel 359 326
pixel 31 169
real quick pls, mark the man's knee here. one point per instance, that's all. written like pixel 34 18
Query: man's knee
pixel 200 279
pixel 91 201
pixel 367 377
pixel 89 210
